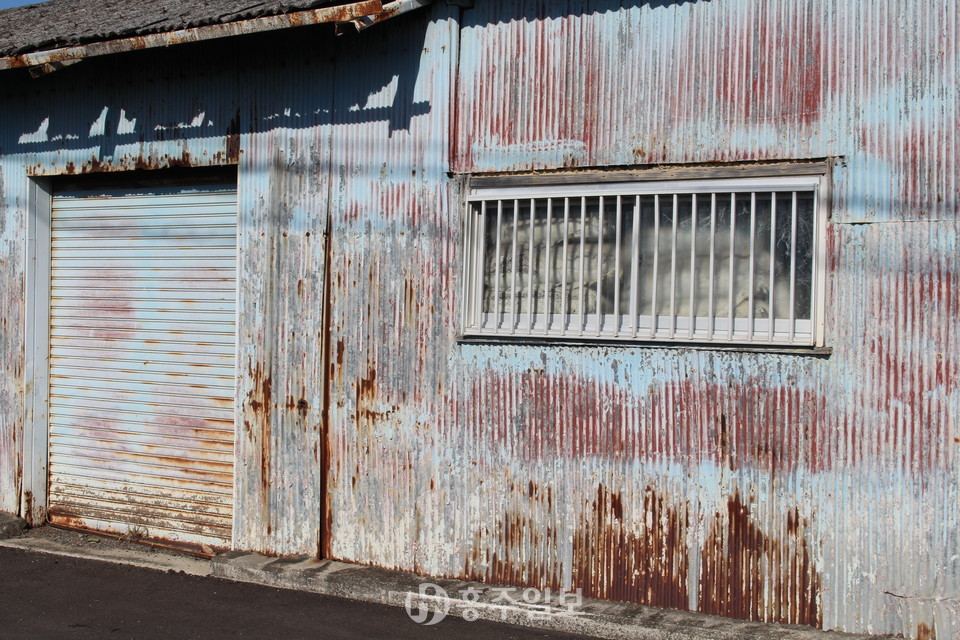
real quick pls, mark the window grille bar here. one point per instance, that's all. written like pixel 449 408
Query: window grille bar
pixel 711 311
pixel 599 304
pixel 673 268
pixel 771 316
pixel 468 269
pixel 753 260
pixel 816 271
pixel 583 258
pixel 692 313
pixel 472 255
pixel 733 258
pixel 564 304
pixel 618 323
pixel 547 290
pixel 479 265
pixel 514 294
pixel 530 295
pixel 635 269
pixel 654 320
pixel 793 267
pixel 496 268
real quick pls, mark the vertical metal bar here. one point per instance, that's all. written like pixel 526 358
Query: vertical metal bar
pixel 821 199
pixel 466 285
pixel 616 270
pixel 480 250
pixel 693 264
pixel 547 293
pixel 564 306
pixel 513 268
pixel 753 259
pixel 530 267
pixel 600 267
pixel 711 310
pixel 793 267
pixel 635 268
pixel 583 218
pixel 771 318
pixel 496 268
pixel 673 269
pixel 656 265
pixel 733 258
pixel 475 260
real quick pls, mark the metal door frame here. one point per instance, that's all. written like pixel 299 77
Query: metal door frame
pixel 36 373
pixel 35 477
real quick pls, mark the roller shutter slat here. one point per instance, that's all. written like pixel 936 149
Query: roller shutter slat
pixel 142 362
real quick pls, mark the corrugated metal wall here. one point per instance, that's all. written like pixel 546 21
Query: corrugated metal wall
pixel 802 489
pixel 821 490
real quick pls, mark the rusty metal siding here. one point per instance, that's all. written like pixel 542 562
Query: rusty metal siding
pixel 235 108
pixel 393 271
pixel 142 360
pixel 813 489
pixel 791 488
pixel 284 178
pixel 799 502
pixel 605 83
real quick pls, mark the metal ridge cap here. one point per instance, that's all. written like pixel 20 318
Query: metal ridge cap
pixel 41 62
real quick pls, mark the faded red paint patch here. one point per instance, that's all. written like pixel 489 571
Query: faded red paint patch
pixel 770 71
pixel 913 384
pixel 543 84
pixel 753 574
pixel 744 424
pixel 403 201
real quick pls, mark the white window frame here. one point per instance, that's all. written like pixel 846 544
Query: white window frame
pixel 642 328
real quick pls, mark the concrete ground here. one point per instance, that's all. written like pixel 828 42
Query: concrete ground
pixel 53 596
pixel 64 584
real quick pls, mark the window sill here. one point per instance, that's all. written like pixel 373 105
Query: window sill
pixel 818 352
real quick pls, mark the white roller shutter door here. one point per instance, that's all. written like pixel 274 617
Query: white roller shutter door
pixel 142 357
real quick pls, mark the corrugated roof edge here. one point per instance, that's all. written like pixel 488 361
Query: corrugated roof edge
pixel 58 24
pixel 360 14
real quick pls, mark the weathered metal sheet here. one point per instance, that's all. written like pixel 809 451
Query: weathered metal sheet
pixel 284 178
pixel 801 488
pixel 603 83
pixel 791 488
pixel 12 268
pixel 275 124
pixel 142 358
pixel 393 253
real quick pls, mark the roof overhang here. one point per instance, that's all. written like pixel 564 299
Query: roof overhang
pixel 355 14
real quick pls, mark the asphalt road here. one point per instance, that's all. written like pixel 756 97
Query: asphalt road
pixel 47 596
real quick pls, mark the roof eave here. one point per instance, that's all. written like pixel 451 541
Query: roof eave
pixel 368 11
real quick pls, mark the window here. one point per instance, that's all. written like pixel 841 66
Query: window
pixel 733 261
